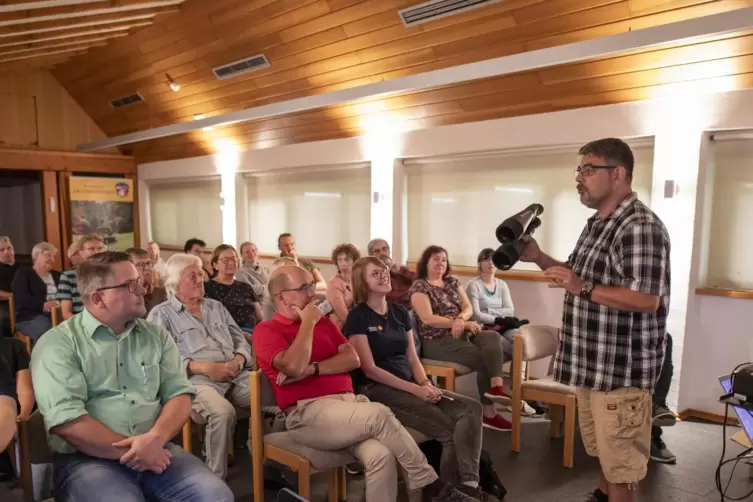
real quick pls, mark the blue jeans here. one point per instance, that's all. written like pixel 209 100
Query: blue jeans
pixel 36 327
pixel 81 478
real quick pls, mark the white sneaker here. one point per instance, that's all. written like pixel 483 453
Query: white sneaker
pixel 526 409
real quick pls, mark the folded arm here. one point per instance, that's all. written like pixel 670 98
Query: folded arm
pixel 91 437
pixel 422 305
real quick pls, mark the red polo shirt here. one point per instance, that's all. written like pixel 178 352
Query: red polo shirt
pixel 273 336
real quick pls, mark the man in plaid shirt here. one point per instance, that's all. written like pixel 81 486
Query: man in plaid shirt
pixel 616 285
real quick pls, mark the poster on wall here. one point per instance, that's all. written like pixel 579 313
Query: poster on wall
pixel 103 206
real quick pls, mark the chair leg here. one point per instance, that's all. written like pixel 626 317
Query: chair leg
pixel 569 445
pixel 555 415
pixel 304 481
pixel 342 483
pixel 333 480
pixel 450 383
pixel 515 439
pixel 187 439
pixel 257 471
pixel 27 482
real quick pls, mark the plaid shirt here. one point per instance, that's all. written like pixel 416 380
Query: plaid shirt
pixel 603 348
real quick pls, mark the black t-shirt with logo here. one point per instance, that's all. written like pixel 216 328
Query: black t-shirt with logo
pixel 388 338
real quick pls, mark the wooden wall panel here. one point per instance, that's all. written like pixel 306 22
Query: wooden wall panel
pixel 60 122
pixel 51 213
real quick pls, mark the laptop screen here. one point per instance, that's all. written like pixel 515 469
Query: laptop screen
pixel 745 416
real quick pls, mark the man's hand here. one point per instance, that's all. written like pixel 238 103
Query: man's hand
pixel 50 305
pixel 531 253
pixel 310 313
pixel 23 416
pixel 158 467
pixel 144 451
pixel 565 278
pixel 283 379
pixel 221 372
pixel 235 365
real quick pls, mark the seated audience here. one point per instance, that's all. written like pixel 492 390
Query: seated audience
pixel 286 245
pixel 339 288
pixel 307 360
pixel 491 302
pixel 154 293
pixel 158 264
pixel 196 247
pixel 391 374
pixel 252 272
pixel 14 360
pixel 34 292
pixel 269 308
pixel 400 277
pixel 113 392
pixel 662 415
pixel 70 300
pixel 447 333
pixel 8 408
pixel 73 254
pixel 7 271
pixel 213 350
pixel 237 297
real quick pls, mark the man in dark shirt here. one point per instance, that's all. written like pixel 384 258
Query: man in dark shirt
pixel 401 278
pixel 14 361
pixel 7 271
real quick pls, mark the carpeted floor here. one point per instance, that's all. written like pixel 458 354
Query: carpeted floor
pixel 537 474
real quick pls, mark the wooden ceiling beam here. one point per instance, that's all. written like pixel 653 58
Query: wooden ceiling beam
pixel 74 11
pixel 57 44
pixel 82 22
pixel 72 34
pixel 17 5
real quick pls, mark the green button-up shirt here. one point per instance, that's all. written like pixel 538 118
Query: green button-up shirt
pixel 81 367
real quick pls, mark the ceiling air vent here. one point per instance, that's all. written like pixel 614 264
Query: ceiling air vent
pixel 240 67
pixel 437 9
pixel 127 100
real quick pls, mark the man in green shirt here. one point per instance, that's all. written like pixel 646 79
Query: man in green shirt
pixel 113 393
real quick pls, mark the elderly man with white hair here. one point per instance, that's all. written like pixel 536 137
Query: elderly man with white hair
pixel 213 350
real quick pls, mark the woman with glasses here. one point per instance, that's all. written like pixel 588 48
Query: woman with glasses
pixel 391 374
pixel 34 291
pixel 237 297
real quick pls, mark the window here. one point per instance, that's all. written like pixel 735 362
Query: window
pixel 458 204
pixel 729 263
pixel 180 211
pixel 321 208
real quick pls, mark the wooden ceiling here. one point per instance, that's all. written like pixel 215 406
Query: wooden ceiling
pixel 317 46
pixel 43 33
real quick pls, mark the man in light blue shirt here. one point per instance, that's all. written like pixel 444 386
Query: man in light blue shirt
pixel 112 392
pixel 213 351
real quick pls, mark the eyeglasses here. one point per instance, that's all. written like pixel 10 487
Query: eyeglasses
pixel 304 288
pixel 589 169
pixel 146 265
pixel 228 260
pixel 379 273
pixel 133 286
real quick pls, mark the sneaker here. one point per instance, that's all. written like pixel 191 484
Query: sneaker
pixel 497 422
pixel 663 416
pixel 596 496
pixel 451 494
pixel 473 491
pixel 527 409
pixel 660 452
pixel 541 408
pixel 498 395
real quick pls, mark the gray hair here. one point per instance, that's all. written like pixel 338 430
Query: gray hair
pixel 5 239
pixel 372 243
pixel 93 273
pixel 40 248
pixel 175 266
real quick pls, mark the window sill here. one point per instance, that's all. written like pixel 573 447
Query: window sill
pixel 744 294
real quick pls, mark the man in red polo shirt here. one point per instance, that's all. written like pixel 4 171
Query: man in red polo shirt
pixel 307 360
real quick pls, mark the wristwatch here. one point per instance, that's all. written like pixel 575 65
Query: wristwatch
pixel 586 289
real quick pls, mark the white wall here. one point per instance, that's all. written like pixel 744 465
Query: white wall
pixel 676 124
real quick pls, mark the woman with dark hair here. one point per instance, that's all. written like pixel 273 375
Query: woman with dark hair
pixel 339 289
pixel 391 374
pixel 447 333
pixel 237 297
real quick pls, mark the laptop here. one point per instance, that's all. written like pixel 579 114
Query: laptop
pixel 744 416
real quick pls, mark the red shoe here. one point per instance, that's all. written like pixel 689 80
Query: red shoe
pixel 497 422
pixel 497 394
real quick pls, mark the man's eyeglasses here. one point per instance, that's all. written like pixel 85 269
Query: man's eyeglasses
pixel 133 286
pixel 147 265
pixel 304 288
pixel 589 169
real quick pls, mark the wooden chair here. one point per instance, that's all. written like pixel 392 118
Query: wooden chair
pixel 196 419
pixel 531 344
pixel 280 447
pixel 12 312
pixel 32 445
pixel 56 316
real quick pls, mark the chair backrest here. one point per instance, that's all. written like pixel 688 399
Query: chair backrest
pixel 12 312
pixel 56 316
pixel 538 341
